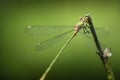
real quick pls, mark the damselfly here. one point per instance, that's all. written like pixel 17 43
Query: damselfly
pixel 61 32
pixel 37 30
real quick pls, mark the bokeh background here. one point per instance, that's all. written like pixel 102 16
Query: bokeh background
pixel 20 61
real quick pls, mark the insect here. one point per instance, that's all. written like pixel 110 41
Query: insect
pixel 61 32
pixel 37 30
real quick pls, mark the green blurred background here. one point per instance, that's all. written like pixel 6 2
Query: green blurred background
pixel 20 61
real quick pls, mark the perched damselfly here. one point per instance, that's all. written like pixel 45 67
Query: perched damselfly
pixel 62 30
pixel 59 32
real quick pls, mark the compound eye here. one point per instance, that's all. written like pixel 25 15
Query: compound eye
pixel 86 18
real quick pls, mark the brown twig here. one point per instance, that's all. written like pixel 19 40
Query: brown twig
pixel 104 55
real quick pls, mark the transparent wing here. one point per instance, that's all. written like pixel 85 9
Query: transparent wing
pixel 39 30
pixel 50 42
pixel 101 32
